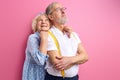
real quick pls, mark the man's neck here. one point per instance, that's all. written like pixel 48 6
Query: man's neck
pixel 60 27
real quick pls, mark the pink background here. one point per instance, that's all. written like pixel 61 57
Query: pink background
pixel 96 21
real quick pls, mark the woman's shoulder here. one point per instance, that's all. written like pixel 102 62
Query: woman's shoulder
pixel 34 35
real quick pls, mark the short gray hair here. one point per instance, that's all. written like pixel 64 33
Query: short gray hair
pixel 34 22
pixel 49 8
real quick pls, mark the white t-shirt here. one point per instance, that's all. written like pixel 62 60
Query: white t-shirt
pixel 68 47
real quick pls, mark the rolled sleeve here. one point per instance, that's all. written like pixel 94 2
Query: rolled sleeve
pixel 39 57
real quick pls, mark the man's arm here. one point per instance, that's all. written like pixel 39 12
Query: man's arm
pixel 81 56
pixel 59 62
pixel 52 56
pixel 67 62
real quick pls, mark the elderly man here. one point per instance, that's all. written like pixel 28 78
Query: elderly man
pixel 64 53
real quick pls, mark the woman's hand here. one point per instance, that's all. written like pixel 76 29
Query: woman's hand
pixel 43 41
pixel 68 30
pixel 44 35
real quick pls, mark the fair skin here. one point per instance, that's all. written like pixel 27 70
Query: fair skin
pixel 63 62
pixel 43 26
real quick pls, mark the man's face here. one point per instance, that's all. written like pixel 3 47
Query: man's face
pixel 58 14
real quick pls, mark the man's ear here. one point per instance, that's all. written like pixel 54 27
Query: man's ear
pixel 50 17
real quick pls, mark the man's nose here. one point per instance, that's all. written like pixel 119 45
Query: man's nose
pixel 63 11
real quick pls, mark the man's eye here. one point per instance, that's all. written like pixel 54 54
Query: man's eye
pixel 58 9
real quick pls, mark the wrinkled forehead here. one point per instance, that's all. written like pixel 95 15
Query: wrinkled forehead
pixel 56 5
pixel 43 16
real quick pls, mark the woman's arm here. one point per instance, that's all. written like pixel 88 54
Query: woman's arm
pixel 37 50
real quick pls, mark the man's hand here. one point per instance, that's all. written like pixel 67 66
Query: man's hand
pixel 63 63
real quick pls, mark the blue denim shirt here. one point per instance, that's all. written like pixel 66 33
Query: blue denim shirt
pixel 34 65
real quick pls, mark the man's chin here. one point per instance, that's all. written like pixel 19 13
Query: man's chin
pixel 62 21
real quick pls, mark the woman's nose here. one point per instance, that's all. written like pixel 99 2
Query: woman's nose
pixel 43 21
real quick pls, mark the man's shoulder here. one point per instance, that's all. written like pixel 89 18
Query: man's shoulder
pixel 76 36
pixel 52 28
pixel 74 33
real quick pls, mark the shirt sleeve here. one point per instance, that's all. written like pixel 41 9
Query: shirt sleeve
pixel 75 35
pixel 33 48
pixel 51 44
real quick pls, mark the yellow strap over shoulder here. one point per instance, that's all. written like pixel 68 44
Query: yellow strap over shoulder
pixel 58 47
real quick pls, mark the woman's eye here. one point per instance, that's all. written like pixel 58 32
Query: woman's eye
pixel 47 20
pixel 40 20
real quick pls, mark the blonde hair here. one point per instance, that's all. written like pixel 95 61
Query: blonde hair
pixel 34 22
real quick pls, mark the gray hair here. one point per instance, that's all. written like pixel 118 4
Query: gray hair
pixel 49 8
pixel 34 22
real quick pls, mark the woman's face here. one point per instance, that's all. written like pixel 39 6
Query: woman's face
pixel 43 23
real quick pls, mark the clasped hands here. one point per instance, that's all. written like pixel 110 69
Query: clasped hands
pixel 63 63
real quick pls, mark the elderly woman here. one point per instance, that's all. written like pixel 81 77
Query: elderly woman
pixel 36 50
